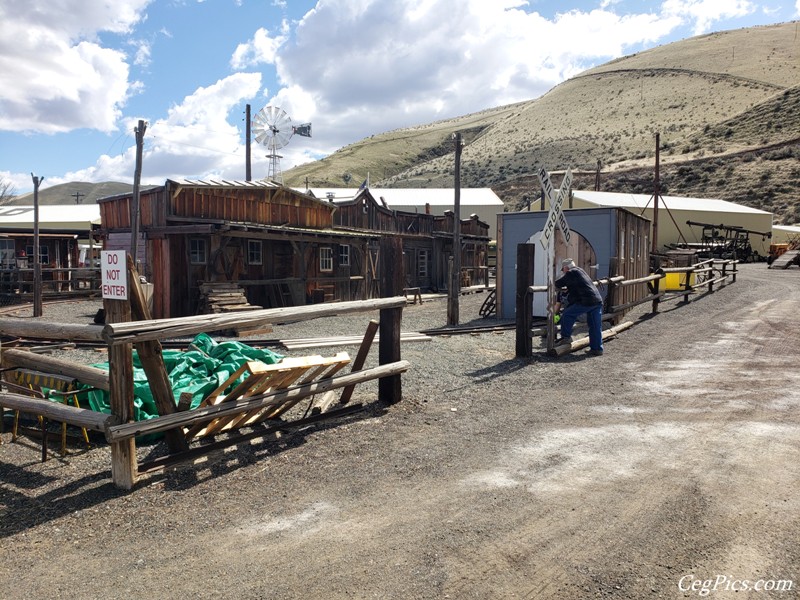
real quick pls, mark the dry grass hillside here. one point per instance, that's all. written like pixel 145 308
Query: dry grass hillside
pixel 725 105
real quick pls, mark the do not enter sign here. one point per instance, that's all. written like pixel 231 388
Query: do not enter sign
pixel 114 274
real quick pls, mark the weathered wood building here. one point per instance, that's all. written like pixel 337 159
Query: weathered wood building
pixel 278 245
pixel 427 240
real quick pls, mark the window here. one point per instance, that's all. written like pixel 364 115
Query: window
pixel 197 252
pixel 344 256
pixel 44 254
pixel 7 258
pixel 326 259
pixel 422 263
pixel 253 252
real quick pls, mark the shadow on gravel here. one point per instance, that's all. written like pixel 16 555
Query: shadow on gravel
pixel 501 369
pixel 22 508
pixel 244 451
pixel 21 511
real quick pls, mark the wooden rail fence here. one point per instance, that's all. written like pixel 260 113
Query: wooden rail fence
pixel 705 274
pixel 121 334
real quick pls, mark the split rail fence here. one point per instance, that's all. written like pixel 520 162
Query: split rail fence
pixel 278 389
pixel 705 274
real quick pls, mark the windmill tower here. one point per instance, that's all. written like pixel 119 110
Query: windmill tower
pixel 273 128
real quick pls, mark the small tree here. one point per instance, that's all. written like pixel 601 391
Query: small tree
pixel 7 191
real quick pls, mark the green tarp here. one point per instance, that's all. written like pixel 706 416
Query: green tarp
pixel 199 370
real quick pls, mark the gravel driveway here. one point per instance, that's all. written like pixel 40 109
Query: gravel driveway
pixel 668 464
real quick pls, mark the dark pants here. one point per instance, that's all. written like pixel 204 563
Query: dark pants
pixel 594 319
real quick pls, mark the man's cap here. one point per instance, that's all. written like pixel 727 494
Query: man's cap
pixel 567 262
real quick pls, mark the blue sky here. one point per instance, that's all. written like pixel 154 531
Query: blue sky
pixel 77 75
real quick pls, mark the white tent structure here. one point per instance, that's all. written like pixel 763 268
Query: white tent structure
pixel 675 211
pixel 782 234
pixel 62 218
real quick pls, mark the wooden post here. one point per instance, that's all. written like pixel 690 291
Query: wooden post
pixel 120 360
pixel 137 176
pixel 687 285
pixel 37 261
pixel 654 289
pixel 153 363
pixel 361 357
pixel 454 287
pixel 525 254
pixel 391 274
pixel 733 272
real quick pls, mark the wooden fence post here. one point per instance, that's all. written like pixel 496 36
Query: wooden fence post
pixel 152 360
pixel 120 361
pixel 391 276
pixel 525 254
pixel 654 289
pixel 733 271
pixel 687 284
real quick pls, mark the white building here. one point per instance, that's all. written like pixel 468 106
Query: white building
pixel 482 202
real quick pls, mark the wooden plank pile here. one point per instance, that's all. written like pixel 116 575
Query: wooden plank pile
pixel 223 297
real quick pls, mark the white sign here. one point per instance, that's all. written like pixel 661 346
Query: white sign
pixel 114 274
pixel 555 218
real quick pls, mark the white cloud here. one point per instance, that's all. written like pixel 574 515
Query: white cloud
pixel 54 74
pixel 261 49
pixel 705 12
pixel 195 139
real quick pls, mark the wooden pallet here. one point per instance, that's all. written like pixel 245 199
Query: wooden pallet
pixel 261 379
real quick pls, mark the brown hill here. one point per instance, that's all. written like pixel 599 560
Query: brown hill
pixel 725 105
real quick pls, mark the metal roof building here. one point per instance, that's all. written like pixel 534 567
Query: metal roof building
pixel 674 212
pixel 482 202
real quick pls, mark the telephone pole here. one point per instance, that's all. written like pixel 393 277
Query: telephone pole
pixel 78 196
pixel 37 261
pixel 137 176
pixel 454 288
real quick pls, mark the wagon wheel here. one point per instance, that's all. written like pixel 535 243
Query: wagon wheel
pixel 488 308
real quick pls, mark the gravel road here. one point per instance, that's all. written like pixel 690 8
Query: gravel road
pixel 667 464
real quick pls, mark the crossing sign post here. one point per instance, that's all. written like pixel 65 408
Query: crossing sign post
pixel 555 218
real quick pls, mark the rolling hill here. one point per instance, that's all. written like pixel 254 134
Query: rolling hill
pixel 726 106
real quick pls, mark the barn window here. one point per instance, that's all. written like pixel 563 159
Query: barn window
pixel 44 254
pixel 326 259
pixel 254 252
pixel 344 255
pixel 198 254
pixel 7 258
pixel 422 263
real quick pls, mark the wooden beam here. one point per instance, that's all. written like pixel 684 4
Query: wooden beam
pixel 125 431
pixel 584 341
pixel 361 357
pixel 138 331
pixel 63 413
pixel 91 376
pixel 27 328
pixel 152 361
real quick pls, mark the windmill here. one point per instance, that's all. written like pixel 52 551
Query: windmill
pixel 273 128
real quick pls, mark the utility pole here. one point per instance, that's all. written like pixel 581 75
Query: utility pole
pixel 454 289
pixel 656 193
pixel 37 261
pixel 137 176
pixel 78 196
pixel 248 174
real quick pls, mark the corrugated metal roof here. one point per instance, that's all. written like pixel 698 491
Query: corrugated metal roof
pixel 642 201
pixel 51 216
pixel 262 183
pixel 415 196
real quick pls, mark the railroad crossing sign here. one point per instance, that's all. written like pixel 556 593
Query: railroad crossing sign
pixel 555 217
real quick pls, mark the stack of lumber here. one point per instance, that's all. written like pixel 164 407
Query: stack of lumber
pixel 223 297
pixel 219 297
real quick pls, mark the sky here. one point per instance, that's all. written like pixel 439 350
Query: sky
pixel 77 76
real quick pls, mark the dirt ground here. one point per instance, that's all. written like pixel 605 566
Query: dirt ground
pixel 668 464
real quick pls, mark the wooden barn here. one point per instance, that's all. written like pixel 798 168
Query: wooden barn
pixel 211 246
pixel 427 239
pixel 604 242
